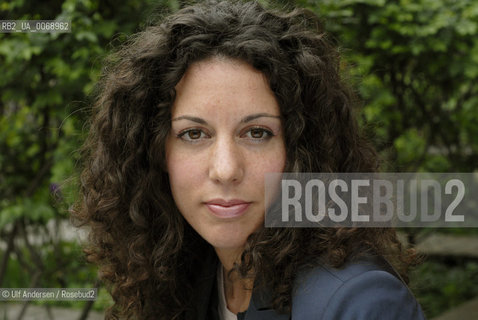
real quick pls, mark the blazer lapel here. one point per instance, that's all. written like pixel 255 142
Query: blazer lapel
pixel 205 298
pixel 260 307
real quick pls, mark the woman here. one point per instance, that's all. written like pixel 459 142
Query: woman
pixel 190 115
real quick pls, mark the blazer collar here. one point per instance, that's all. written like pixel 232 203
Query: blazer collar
pixel 205 296
pixel 260 307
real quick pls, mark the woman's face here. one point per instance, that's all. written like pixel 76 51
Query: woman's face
pixel 226 133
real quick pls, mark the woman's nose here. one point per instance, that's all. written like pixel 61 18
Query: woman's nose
pixel 226 162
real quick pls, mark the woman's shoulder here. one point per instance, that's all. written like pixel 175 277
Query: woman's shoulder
pixel 363 289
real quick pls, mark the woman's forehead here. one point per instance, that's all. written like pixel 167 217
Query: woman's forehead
pixel 221 69
pixel 214 84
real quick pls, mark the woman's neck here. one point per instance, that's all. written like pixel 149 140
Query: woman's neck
pixel 238 291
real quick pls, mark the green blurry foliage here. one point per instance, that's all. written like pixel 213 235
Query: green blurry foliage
pixel 45 83
pixel 45 78
pixel 72 272
pixel 415 64
pixel 439 286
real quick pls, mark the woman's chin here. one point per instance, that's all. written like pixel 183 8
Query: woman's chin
pixel 222 242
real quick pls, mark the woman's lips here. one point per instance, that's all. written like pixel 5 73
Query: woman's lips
pixel 227 209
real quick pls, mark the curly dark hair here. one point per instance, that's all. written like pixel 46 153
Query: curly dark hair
pixel 145 250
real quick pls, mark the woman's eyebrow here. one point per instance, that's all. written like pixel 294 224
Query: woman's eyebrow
pixel 190 118
pixel 243 120
pixel 258 115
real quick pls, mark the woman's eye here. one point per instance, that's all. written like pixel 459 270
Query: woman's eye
pixel 192 135
pixel 259 133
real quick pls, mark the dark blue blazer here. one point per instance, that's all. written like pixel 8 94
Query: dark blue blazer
pixel 361 290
